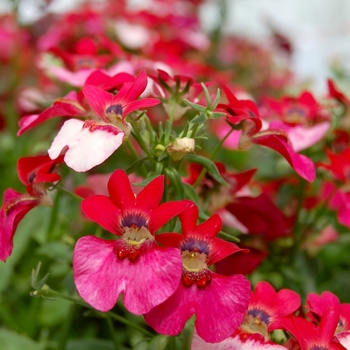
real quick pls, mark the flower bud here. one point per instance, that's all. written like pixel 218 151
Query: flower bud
pixel 180 147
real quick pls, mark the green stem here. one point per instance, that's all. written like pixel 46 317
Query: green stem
pixel 64 336
pixel 52 293
pixel 112 331
pixel 73 195
pixel 216 149
pixel 54 213
pixel 140 141
pixel 132 149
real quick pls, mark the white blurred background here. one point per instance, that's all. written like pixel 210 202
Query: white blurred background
pixel 318 29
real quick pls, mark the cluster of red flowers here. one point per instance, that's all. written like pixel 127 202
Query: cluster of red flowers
pixel 137 93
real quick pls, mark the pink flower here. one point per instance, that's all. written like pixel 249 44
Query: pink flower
pixel 90 143
pixel 219 302
pixel 134 264
pixel 244 115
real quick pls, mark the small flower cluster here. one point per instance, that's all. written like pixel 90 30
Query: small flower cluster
pixel 209 181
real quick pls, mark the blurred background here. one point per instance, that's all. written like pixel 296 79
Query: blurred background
pixel 318 30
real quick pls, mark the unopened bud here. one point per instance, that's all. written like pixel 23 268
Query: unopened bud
pixel 180 147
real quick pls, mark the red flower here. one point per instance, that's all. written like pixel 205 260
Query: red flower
pixel 34 172
pixel 134 264
pixel 219 302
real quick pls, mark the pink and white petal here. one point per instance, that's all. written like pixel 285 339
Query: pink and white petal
pixel 68 130
pixel 152 279
pixel 120 190
pixel 300 163
pixel 248 342
pixel 103 211
pixel 87 147
pixel 221 306
pixel 344 339
pixel 96 272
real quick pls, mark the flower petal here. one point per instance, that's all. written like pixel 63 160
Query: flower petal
pixel 301 164
pixel 219 308
pixel 103 211
pixel 15 206
pixel 96 272
pixel 120 190
pixel 98 99
pixel 150 197
pixel 152 279
pixel 165 212
pixel 88 144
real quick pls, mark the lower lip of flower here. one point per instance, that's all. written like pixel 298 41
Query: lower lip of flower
pixel 201 279
pixel 130 246
pixel 195 269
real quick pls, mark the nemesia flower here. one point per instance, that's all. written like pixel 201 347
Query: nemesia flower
pixel 315 337
pixel 239 341
pixel 244 114
pixel 35 172
pixel 317 304
pixel 219 302
pixel 90 143
pixel 134 265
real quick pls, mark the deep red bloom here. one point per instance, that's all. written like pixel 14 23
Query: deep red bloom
pixel 34 172
pixel 317 304
pixel 219 302
pixel 312 337
pixel 134 264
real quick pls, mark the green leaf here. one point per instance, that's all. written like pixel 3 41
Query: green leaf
pixel 217 115
pixel 191 193
pixel 159 342
pixel 146 181
pixel 136 165
pixel 195 106
pixel 207 164
pixel 90 344
pixel 200 118
pixel 216 101
pixel 207 94
pixel 13 341
pixel 175 180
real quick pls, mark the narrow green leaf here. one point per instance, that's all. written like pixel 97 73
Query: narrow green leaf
pixel 136 165
pixel 216 101
pixel 195 106
pixel 207 94
pixel 200 118
pixel 208 165
pixel 175 180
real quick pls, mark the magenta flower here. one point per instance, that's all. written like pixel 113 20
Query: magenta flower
pixel 135 265
pixel 219 302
